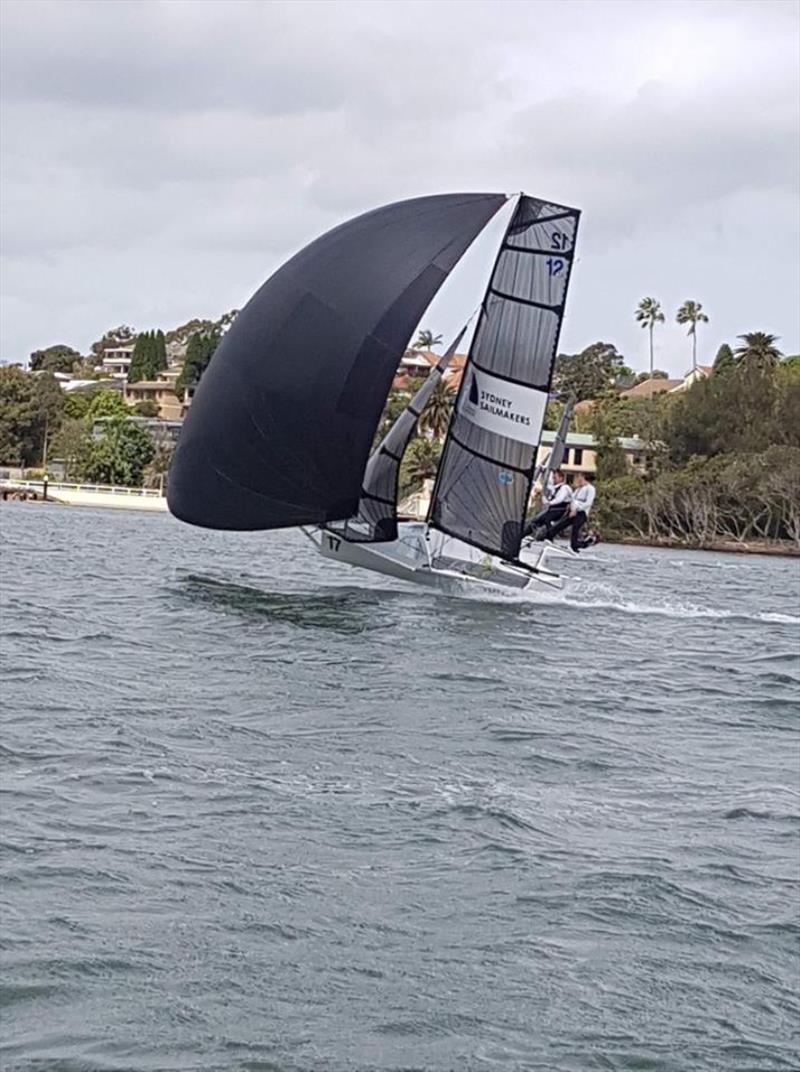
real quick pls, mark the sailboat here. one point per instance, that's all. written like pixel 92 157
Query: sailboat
pixel 281 425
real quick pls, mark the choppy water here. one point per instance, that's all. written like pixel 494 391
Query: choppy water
pixel 261 812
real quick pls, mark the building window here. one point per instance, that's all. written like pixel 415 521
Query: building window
pixel 577 456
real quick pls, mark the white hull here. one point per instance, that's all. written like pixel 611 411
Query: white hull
pixel 426 556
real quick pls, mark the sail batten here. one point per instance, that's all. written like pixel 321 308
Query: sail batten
pixel 488 463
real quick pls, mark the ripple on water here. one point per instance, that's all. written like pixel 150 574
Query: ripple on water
pixel 264 813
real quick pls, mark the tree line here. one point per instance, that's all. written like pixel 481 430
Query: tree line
pixel 723 457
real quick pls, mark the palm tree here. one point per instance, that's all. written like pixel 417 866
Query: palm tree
pixel 691 313
pixel 759 351
pixel 420 463
pixel 426 340
pixel 648 315
pixel 436 415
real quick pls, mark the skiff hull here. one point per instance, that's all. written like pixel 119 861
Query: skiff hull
pixel 424 556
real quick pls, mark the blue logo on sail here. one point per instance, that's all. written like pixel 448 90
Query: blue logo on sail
pixel 506 478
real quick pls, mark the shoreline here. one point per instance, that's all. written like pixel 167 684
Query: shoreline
pixel 783 548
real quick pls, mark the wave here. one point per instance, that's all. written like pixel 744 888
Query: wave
pixel 685 610
pixel 624 606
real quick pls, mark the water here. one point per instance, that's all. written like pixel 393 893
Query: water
pixel 261 812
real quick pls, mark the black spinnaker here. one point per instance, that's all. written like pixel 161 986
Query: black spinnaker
pixel 489 459
pixel 281 424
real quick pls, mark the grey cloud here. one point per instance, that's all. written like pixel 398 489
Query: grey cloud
pixel 159 159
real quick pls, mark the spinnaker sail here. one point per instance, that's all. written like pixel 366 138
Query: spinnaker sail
pixel 376 520
pixel 489 459
pixel 281 424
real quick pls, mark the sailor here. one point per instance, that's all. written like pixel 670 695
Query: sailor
pixel 582 502
pixel 556 498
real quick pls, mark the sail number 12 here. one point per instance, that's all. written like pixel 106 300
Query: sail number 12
pixel 558 241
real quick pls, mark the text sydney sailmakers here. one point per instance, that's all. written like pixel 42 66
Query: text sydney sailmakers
pixel 505 408
pixel 501 407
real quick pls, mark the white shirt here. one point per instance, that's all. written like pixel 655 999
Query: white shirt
pixel 583 498
pixel 558 495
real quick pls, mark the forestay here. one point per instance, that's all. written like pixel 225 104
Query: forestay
pixel 376 521
pixel 489 459
pixel 282 422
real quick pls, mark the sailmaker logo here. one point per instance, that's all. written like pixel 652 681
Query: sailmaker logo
pixel 473 390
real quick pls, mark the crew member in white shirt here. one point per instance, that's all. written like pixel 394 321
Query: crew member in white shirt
pixel 582 501
pixel 556 500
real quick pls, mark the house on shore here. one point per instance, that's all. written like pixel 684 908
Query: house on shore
pixel 648 388
pixel 161 391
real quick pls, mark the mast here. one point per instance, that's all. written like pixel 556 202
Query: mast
pixel 557 451
pixel 489 459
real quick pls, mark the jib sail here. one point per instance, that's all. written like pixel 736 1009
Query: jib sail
pixel 376 520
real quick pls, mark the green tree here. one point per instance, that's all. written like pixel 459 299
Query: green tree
pixel 85 368
pixel 593 372
pixel 140 360
pixel 691 313
pixel 642 377
pixel 724 361
pixel 147 408
pixel 156 472
pixel 121 455
pixel 112 339
pixel 160 351
pixel 420 463
pixel 149 356
pixel 71 444
pixel 426 340
pixel 18 416
pixel 199 352
pixel 758 350
pixel 31 407
pixel 395 404
pixel 58 358
pixel 435 417
pixel 648 314
pixel 106 404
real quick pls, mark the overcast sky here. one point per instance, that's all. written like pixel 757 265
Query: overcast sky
pixel 160 158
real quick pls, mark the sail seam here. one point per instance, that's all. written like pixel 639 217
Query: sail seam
pixel 460 536
pixel 526 301
pixel 508 379
pixel 561 254
pixel 550 219
pixel 487 457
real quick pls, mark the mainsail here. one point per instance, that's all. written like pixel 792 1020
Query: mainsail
pixel 281 424
pixel 489 459
pixel 376 520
